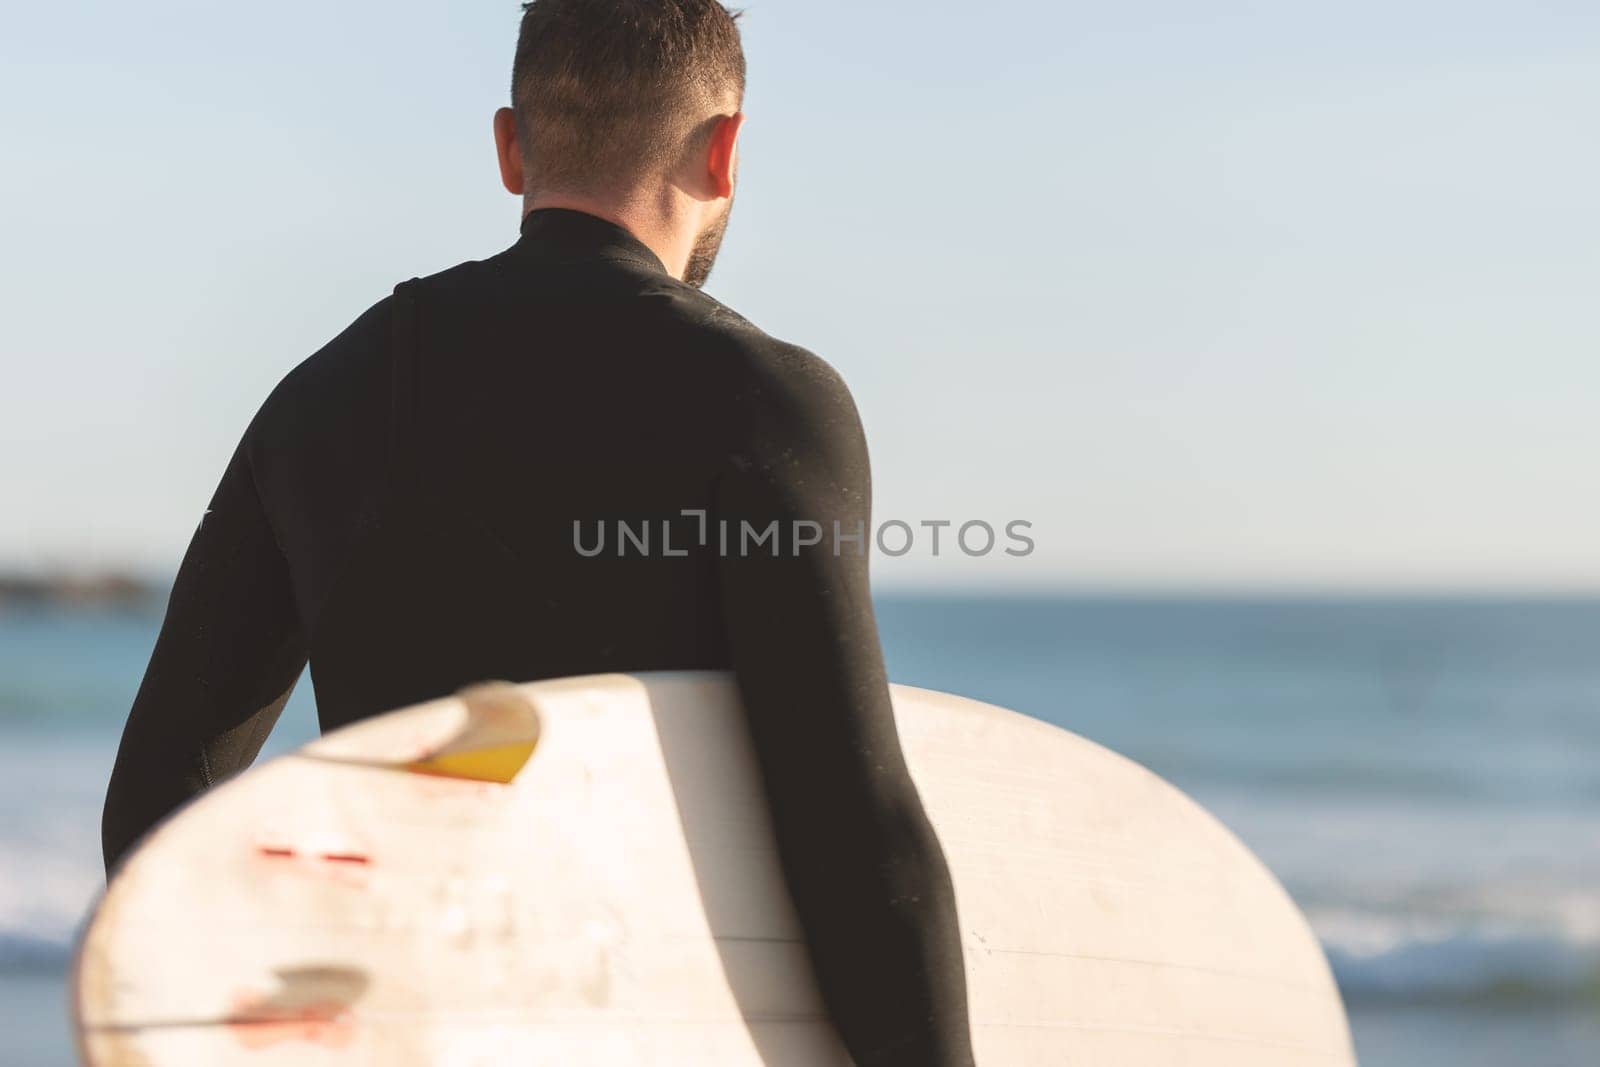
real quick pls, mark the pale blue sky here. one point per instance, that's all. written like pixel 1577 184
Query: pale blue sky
pixel 1271 294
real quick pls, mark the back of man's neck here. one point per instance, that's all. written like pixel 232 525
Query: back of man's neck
pixel 649 221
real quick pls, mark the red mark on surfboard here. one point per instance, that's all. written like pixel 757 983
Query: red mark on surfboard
pixel 352 858
pixel 311 1004
pixel 328 1023
pixel 318 856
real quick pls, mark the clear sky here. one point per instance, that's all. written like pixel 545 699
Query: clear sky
pixel 1218 294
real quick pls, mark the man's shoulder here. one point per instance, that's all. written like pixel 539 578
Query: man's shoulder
pixel 359 354
pixel 740 348
pixel 778 402
pixel 335 384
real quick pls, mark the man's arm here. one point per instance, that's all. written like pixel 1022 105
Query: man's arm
pixel 229 653
pixel 868 877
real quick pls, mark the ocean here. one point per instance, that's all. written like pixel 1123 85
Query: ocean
pixel 1423 775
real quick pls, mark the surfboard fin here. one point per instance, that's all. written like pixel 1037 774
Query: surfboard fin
pixel 487 734
pixel 498 738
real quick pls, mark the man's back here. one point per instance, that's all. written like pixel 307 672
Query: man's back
pixel 473 480
pixel 560 461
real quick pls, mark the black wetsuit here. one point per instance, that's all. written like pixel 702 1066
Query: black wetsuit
pixel 416 508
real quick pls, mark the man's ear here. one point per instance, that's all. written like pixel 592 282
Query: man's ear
pixel 509 151
pixel 722 158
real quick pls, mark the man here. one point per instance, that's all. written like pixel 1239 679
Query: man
pixel 406 509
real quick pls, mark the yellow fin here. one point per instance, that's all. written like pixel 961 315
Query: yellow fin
pixel 493 763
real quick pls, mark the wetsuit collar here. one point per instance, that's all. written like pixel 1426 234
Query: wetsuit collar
pixel 576 234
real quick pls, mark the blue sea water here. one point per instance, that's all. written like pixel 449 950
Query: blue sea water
pixel 1423 775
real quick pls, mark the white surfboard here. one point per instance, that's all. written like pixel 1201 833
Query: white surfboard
pixel 581 872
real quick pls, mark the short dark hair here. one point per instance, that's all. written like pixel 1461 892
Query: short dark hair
pixel 606 91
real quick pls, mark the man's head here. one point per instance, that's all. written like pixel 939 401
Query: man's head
pixel 629 108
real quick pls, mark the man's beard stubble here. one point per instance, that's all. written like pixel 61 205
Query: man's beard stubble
pixel 706 246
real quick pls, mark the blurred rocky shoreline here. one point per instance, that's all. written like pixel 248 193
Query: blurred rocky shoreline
pixel 88 591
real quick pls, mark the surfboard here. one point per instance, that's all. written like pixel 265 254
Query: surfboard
pixel 582 872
